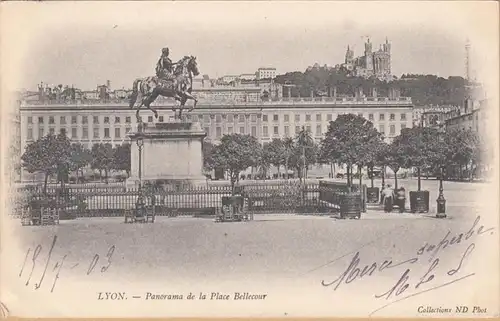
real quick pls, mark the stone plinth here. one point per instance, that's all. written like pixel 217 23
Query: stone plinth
pixel 171 153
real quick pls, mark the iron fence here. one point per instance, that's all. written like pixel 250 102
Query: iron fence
pixel 109 201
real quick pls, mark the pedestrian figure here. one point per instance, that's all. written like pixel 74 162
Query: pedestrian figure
pixel 400 198
pixel 388 196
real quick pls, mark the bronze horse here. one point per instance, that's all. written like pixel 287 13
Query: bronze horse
pixel 147 89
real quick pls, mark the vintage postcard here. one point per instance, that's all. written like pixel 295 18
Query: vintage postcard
pixel 249 159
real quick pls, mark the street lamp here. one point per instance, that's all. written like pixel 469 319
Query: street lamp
pixel 441 201
pixel 139 204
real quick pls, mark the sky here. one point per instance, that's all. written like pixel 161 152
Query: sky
pixel 87 43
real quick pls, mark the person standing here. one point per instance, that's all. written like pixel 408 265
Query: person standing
pixel 388 196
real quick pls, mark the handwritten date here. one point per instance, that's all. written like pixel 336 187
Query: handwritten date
pixel 58 265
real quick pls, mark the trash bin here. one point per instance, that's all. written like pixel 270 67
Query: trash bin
pixel 372 195
pixel 419 201
pixel 350 205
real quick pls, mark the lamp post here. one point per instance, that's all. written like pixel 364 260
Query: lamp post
pixel 139 204
pixel 441 201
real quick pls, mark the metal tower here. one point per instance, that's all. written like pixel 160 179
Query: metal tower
pixel 467 60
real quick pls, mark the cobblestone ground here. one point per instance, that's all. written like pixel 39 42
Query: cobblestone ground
pixel 288 254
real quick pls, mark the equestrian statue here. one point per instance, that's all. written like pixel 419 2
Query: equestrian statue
pixel 173 80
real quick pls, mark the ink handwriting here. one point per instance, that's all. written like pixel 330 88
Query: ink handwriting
pixel 58 265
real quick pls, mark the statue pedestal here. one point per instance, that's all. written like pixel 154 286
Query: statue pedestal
pixel 171 154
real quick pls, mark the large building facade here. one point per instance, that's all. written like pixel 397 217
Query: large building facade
pixel 94 122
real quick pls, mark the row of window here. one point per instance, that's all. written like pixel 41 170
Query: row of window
pixel 74 132
pixel 329 117
pixel 206 118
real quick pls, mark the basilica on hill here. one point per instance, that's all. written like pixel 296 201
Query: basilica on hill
pixel 372 63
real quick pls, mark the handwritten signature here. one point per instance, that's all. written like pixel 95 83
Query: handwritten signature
pixel 59 264
pixel 355 271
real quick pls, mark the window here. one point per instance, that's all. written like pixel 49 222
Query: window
pixel 329 117
pixel 127 119
pixel 85 119
pixel 276 130
pixel 308 117
pixel 96 120
pixel 308 128
pixel 392 117
pixel 287 131
pixel 403 126
pixel 62 131
pixel 381 117
pixel 74 119
pixel 264 131
pixel 51 119
pixel 206 118
pixel 392 129
pixel 40 119
pixel 85 133
pixel 242 130
pixel 96 132
pixel 403 116
pixel 218 118
pixel 74 134
pixel 287 118
pixel 127 130
pixel 30 120
pixel 117 120
pixel 106 132
pixel 253 118
pixel 30 133
pixel 241 118
pixel 106 120
pixel 297 129
pixel 117 132
pixel 370 117
pixel 318 130
pixel 297 117
pixel 254 131
pixel 207 130
pixel 218 132
pixel 381 129
pixel 276 117
pixel 230 118
pixel 230 130
pixel 40 132
pixel 150 119
pixel 51 130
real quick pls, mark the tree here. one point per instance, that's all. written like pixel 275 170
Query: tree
pixel 207 150
pixel 394 156
pixel 288 148
pixel 102 158
pixel 462 148
pixel 305 152
pixel 80 157
pixel 422 148
pixel 274 153
pixel 49 155
pixel 350 140
pixel 236 153
pixel 121 158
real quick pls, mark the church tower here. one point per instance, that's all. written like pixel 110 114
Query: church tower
pixel 387 46
pixel 368 55
pixel 349 56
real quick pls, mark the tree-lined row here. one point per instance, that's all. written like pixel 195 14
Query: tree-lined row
pixel 56 155
pixel 352 141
